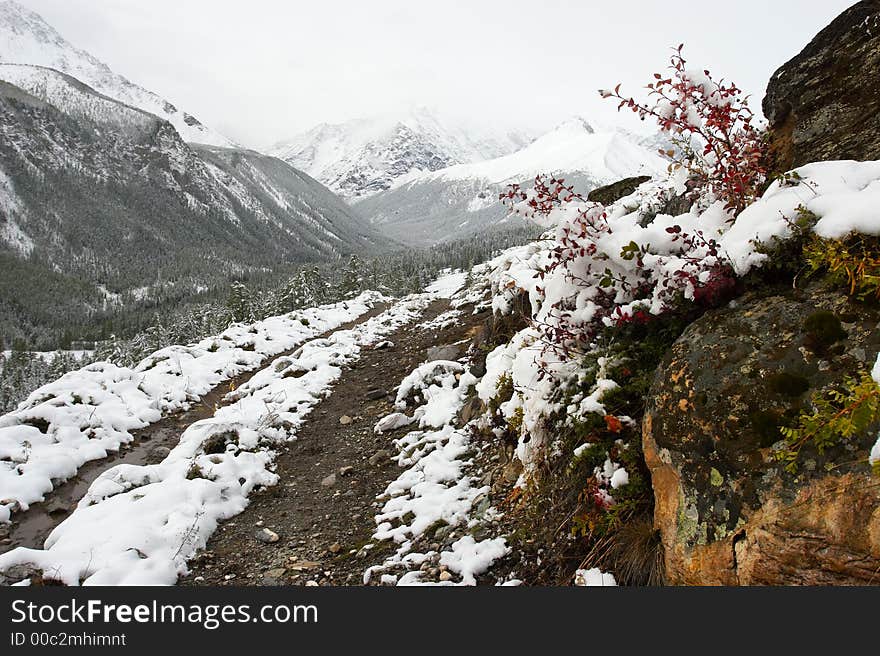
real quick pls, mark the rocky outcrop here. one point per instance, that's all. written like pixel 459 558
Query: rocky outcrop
pixel 727 511
pixel 825 103
pixel 616 190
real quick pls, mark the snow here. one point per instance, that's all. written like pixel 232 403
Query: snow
pixel 392 422
pixel 447 284
pixel 138 525
pixel 92 411
pixel 470 558
pixel 593 578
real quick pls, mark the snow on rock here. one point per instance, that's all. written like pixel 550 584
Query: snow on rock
pixel 392 422
pixel 90 412
pixel 139 525
pixel 593 578
pixel 470 558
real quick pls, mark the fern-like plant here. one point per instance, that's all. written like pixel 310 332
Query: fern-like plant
pixel 838 415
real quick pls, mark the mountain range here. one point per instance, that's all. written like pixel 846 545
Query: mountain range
pixel 363 157
pixel 428 206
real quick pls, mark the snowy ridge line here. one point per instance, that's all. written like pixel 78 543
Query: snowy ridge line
pixel 435 489
pixel 89 412
pixel 139 525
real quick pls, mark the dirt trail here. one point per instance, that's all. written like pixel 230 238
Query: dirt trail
pixel 322 526
pixel 150 445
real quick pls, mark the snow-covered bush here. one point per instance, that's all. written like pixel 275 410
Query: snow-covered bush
pixel 712 127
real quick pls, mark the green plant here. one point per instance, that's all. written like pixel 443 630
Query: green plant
pixel 853 262
pixel 838 415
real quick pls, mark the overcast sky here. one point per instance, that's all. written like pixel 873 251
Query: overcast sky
pixel 263 70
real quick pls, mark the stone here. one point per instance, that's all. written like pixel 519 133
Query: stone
pixel 304 565
pixel 334 548
pixel 375 394
pixel 347 470
pixel 726 510
pixel 381 456
pixel 616 190
pixel 824 104
pixel 445 352
pixel 345 420
pixel 445 576
pixel 328 481
pixel 159 453
pixel 57 507
pixel 276 573
pixel 267 535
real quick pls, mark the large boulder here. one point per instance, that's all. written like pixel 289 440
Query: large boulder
pixel 727 511
pixel 825 103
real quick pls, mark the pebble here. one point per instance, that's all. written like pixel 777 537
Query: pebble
pixel 380 456
pixel 348 470
pixel 345 420
pixel 445 576
pixel 376 394
pixel 267 535
pixel 329 481
pixel 334 548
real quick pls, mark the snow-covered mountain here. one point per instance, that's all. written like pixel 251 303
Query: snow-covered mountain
pixel 363 157
pixel 25 38
pixel 427 207
pixel 101 200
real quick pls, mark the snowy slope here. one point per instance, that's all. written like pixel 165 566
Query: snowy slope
pixel 365 156
pixel 430 206
pixel 25 38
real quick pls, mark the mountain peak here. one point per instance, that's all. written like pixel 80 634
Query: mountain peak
pixel 26 38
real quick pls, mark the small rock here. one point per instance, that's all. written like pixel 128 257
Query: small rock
pixel 159 453
pixel 383 345
pixel 334 548
pixel 302 565
pixel 345 420
pixel 57 507
pixel 380 456
pixel 266 535
pixel 376 394
pixel 348 470
pixel 276 573
pixel 311 584
pixel 447 352
pixel 445 576
pixel 329 481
